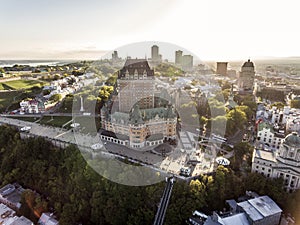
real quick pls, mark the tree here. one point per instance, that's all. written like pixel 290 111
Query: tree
pixel 278 105
pixel 56 77
pixel 293 205
pixel 105 92
pixel 80 195
pixel 242 151
pixel 55 97
pixel 243 108
pixel 272 95
pixel 295 104
pixel 236 119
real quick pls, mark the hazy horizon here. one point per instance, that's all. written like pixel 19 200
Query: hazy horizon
pixel 213 30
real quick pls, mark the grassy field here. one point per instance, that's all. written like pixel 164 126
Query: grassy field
pixel 56 121
pixel 20 84
pixel 16 90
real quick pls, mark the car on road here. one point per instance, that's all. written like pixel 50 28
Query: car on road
pixel 185 171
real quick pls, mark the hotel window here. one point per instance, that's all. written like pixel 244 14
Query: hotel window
pixel 286 182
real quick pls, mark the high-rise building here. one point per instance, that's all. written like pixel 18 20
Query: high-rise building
pixel 115 58
pixel 184 61
pixel 187 62
pixel 114 55
pixel 178 57
pixel 246 76
pixel 222 68
pixel 154 53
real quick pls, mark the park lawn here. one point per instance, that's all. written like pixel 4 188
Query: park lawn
pixel 57 121
pixel 10 99
pixel 21 84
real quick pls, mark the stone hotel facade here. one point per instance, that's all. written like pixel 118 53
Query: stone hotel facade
pixel 138 121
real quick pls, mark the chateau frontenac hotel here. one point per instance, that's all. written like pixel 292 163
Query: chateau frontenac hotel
pixel 135 117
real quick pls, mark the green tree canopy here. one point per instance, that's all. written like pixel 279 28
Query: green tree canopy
pixel 55 97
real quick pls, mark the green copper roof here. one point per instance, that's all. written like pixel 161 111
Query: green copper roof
pixel 161 112
pixel 138 116
pixel 263 125
pixel 293 140
pixel 135 115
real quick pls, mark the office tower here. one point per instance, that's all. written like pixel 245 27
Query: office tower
pixel 154 53
pixel 222 68
pixel 178 57
pixel 187 62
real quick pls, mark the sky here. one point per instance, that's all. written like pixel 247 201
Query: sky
pixel 211 29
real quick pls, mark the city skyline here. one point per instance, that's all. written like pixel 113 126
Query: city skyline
pixel 213 30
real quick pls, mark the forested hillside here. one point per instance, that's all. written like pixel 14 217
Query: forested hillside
pixel 77 194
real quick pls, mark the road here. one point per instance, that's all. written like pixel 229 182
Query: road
pixel 46 114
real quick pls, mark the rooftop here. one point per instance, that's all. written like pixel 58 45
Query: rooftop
pixel 139 66
pixel 265 205
pixel 12 193
pixel 264 125
pixel 266 155
pixel 250 210
pixel 292 139
pixel 22 221
pixel 260 207
pixel 139 116
pixel 248 64
pixel 239 219
pixel 8 216
pixel 6 213
pixel 47 219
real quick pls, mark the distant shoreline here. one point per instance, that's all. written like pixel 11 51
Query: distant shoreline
pixel 34 63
